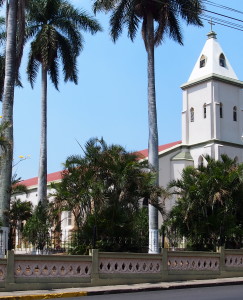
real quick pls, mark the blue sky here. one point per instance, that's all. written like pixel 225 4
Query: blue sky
pixel 110 100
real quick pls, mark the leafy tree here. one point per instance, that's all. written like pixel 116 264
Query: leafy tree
pixel 54 26
pixel 37 227
pixel 20 211
pixel 209 208
pixel 165 14
pixel 103 189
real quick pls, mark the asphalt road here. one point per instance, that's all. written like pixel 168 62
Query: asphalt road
pixel 231 292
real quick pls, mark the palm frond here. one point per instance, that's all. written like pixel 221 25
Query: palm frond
pixel 132 20
pixel 80 18
pixel 71 32
pixel 173 27
pixel 103 5
pixel 191 11
pixel 53 72
pixel 69 59
pixel 32 67
pixel 117 20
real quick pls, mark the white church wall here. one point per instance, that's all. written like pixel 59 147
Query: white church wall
pixel 230 96
pixel 30 196
pixel 198 152
pixel 199 128
pixel 177 167
pixel 165 172
pixel 232 152
pixel 165 175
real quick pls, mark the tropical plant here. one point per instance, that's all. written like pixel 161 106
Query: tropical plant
pixel 166 14
pixel 54 27
pixel 208 211
pixel 19 211
pixel 103 189
pixel 17 187
pixel 37 228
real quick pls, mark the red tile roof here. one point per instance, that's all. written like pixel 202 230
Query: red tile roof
pixel 50 177
pixel 144 153
pixel 58 175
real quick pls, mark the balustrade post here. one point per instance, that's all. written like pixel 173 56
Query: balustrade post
pixel 222 261
pixel 10 270
pixel 95 266
pixel 164 264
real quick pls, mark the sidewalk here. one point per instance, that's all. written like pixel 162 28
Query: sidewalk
pixel 98 290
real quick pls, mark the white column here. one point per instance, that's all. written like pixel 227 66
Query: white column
pixel 4 236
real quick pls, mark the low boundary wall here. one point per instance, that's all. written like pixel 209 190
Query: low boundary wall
pixel 26 272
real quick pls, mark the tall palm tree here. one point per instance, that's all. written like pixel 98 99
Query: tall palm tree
pixel 7 115
pixel 13 53
pixel 55 27
pixel 165 14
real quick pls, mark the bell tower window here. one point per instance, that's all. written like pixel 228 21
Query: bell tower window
pixel 204 111
pixel 192 114
pixel 202 61
pixel 222 62
pixel 221 110
pixel 235 113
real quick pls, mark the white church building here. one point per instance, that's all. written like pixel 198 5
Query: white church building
pixel 212 121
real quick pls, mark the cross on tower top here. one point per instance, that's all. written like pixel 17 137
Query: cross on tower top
pixel 211 24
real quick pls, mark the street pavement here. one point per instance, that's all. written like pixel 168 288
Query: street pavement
pixel 99 290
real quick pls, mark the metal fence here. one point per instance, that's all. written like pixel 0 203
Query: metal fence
pixel 73 243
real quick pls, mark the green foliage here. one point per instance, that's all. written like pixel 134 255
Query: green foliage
pixel 165 14
pixel 36 229
pixel 56 28
pixel 103 189
pixel 209 210
pixel 19 211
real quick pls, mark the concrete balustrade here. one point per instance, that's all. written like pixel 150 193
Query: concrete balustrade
pixel 26 272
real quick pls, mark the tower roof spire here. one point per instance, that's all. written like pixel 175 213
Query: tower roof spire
pixel 212 60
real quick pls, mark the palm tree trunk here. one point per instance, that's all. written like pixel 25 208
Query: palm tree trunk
pixel 153 133
pixel 7 116
pixel 42 177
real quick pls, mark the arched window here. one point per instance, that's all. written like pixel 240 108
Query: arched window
pixel 222 62
pixel 204 111
pixel 192 114
pixel 145 202
pixel 69 218
pixel 200 161
pixel 202 61
pixel 235 113
pixel 220 110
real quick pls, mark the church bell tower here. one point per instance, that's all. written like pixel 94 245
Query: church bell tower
pixel 212 119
